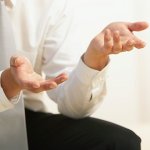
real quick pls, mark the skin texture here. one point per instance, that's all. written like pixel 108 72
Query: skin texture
pixel 21 76
pixel 115 38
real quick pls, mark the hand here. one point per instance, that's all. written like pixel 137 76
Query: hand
pixel 115 38
pixel 21 76
pixel 119 37
pixel 28 79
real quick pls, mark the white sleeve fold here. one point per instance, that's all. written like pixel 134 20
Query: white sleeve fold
pixel 82 93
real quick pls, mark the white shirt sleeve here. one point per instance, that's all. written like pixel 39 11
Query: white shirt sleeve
pixel 80 95
pixel 5 103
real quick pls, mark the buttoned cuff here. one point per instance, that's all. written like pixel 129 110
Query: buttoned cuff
pixel 87 75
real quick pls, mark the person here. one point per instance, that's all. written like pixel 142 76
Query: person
pixel 75 82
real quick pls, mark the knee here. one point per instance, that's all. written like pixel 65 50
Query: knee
pixel 126 139
pixel 128 135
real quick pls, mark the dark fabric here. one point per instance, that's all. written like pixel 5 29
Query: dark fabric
pixel 57 132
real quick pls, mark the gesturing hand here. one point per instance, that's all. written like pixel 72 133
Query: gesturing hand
pixel 28 79
pixel 115 38
pixel 119 37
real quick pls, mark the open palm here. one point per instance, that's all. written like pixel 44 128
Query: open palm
pixel 118 37
pixel 28 79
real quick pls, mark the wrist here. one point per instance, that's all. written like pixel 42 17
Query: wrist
pixel 97 62
pixel 10 87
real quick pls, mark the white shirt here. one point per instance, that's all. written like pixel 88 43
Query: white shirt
pixel 41 29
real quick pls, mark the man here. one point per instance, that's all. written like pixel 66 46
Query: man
pixel 41 30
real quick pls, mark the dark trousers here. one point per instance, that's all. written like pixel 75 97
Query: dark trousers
pixel 57 132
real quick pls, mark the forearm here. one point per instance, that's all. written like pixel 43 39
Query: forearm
pixel 9 85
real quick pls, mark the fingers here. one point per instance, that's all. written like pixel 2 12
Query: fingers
pixel 108 41
pixel 114 44
pixel 128 46
pixel 37 87
pixel 44 85
pixel 16 61
pixel 53 83
pixel 131 43
pixel 48 86
pixel 117 44
pixel 139 44
pixel 138 26
pixel 61 78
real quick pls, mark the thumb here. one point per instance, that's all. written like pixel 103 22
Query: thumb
pixel 16 61
pixel 138 26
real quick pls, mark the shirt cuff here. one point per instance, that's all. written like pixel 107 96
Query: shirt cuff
pixel 87 75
